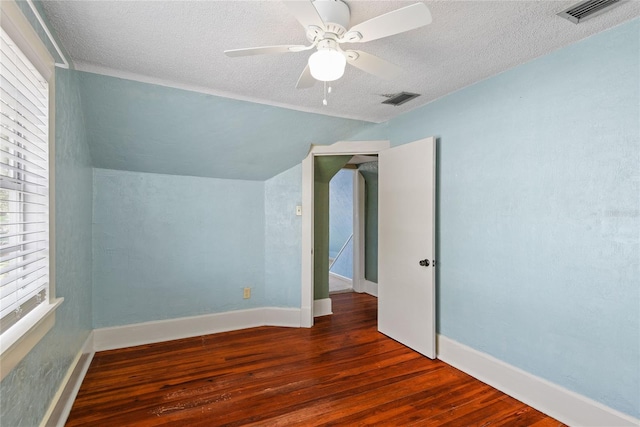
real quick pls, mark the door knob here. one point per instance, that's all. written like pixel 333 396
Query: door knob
pixel 424 263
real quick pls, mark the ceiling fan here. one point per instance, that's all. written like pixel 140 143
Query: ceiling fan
pixel 326 23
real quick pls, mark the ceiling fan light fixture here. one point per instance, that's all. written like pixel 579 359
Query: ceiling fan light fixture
pixel 327 65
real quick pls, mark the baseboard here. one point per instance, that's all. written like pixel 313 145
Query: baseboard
pixel 370 287
pixel 345 282
pixel 88 344
pixel 289 317
pixel 185 327
pixel 62 401
pixel 566 406
pixel 322 307
pixel 305 317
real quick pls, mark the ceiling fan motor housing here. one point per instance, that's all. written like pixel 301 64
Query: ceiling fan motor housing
pixel 335 14
pixel 326 23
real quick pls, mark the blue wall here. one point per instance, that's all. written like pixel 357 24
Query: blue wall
pixel 173 246
pixel 341 221
pixel 282 231
pixel 27 390
pixel 539 208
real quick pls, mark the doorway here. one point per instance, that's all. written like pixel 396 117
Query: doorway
pixel 343 148
pixel 406 229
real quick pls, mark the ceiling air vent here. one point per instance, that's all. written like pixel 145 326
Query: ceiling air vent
pixel 400 98
pixel 585 9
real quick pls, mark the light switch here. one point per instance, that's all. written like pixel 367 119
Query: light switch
pixel 298 210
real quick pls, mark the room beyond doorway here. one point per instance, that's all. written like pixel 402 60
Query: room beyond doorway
pixel 341 225
pixel 353 226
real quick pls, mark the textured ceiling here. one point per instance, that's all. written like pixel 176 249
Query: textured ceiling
pixel 181 43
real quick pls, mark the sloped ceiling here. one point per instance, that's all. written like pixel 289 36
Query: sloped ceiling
pixel 149 128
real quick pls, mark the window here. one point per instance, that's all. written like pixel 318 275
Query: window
pixel 24 211
pixel 26 303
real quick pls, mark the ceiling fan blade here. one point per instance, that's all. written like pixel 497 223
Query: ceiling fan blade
pixel 305 12
pixel 395 22
pixel 264 50
pixel 306 79
pixel 372 64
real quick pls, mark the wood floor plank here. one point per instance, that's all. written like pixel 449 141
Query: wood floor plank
pixel 340 372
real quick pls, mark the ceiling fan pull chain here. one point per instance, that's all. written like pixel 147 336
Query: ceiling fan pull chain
pixel 324 101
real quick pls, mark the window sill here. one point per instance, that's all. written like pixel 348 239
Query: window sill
pixel 17 343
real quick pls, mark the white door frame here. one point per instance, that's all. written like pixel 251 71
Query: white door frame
pixel 337 149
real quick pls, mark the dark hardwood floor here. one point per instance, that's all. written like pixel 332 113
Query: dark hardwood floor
pixel 340 372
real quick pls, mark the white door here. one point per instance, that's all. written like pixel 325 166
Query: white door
pixel 406 244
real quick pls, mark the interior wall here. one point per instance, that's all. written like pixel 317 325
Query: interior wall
pixel 369 172
pixel 283 246
pixel 539 212
pixel 29 388
pixel 168 246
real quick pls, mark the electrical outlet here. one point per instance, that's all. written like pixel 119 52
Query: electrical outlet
pixel 246 294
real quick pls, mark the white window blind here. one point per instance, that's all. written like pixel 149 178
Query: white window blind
pixel 24 185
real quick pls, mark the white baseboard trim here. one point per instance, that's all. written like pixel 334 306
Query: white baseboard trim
pixel 289 317
pixel 88 344
pixel 344 282
pixel 370 287
pixel 62 401
pixel 566 406
pixel 305 317
pixel 322 307
pixel 185 327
